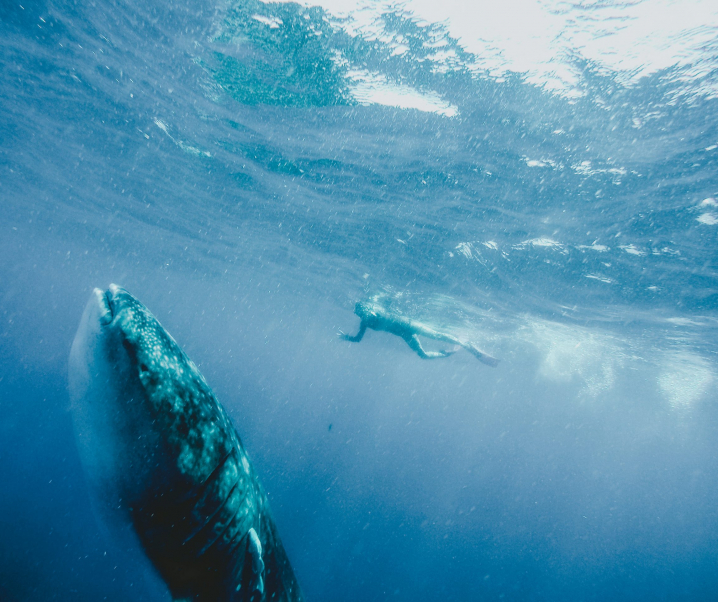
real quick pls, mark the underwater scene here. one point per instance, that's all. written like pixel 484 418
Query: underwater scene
pixel 359 300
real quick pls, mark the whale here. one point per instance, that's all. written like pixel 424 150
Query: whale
pixel 165 463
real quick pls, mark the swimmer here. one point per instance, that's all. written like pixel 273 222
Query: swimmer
pixel 377 317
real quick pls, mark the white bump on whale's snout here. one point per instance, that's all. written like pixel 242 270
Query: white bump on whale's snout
pixel 103 306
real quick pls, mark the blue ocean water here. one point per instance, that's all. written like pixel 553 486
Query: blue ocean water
pixel 249 170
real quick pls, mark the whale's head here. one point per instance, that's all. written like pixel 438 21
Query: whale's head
pixel 118 333
pixel 107 394
pixel 142 411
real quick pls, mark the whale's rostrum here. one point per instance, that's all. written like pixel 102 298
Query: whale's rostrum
pixel 161 453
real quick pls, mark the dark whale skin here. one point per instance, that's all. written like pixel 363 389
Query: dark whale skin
pixel 179 470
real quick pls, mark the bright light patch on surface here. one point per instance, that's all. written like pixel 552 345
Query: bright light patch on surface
pixel 465 249
pixel 709 219
pixel 370 88
pixel 683 322
pixel 594 247
pixel 272 22
pixel 632 39
pixel 542 163
pixel 600 278
pixel 188 148
pixel 162 125
pixel 632 250
pixel 543 242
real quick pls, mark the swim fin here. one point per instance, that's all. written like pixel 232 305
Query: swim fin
pixel 481 356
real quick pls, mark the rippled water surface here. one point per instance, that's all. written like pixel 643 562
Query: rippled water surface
pixel 540 177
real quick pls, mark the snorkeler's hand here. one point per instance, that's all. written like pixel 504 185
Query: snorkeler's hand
pixel 354 339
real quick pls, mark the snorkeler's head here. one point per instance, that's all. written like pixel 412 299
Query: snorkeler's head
pixel 363 309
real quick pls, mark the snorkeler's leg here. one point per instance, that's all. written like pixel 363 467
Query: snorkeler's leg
pixel 447 338
pixel 356 338
pixel 413 342
pixel 430 333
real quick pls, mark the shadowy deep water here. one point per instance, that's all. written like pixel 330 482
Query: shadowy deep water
pixel 249 171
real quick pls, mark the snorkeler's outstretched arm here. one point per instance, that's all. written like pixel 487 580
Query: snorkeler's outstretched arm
pixel 415 344
pixel 357 337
